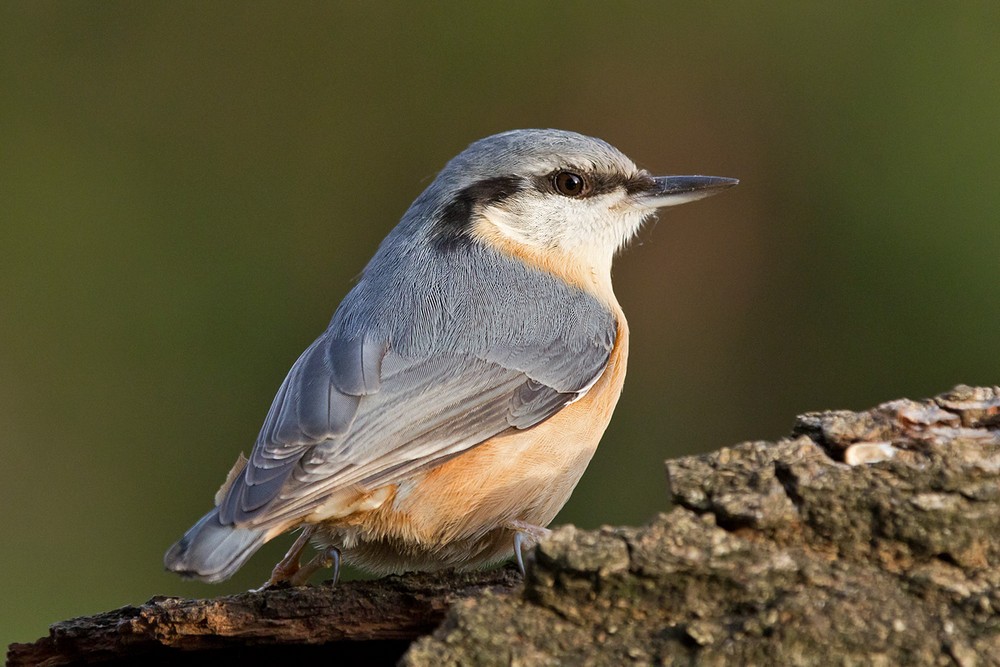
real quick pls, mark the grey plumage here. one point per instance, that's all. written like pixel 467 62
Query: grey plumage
pixel 470 364
pixel 213 551
pixel 439 347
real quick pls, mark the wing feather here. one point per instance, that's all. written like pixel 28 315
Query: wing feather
pixel 312 406
pixel 380 395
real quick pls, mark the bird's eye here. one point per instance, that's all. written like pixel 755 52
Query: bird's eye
pixel 569 184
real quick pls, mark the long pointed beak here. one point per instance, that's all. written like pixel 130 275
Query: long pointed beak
pixel 673 190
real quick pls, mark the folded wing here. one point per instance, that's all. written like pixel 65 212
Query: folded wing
pixel 359 414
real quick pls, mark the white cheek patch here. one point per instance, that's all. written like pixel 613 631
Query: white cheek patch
pixel 506 224
pixel 591 228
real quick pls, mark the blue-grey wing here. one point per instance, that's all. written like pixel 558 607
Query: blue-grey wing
pixel 356 412
pixel 318 401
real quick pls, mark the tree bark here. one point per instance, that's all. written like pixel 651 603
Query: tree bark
pixel 358 618
pixel 865 538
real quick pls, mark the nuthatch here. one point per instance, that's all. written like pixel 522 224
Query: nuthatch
pixel 453 403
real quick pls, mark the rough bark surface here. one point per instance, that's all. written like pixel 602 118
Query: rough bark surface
pixel 364 622
pixel 865 538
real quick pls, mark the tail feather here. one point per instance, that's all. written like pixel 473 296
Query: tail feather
pixel 211 551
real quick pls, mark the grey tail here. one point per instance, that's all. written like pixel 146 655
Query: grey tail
pixel 211 551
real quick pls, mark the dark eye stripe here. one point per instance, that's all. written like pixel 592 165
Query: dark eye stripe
pixel 456 217
pixel 600 183
pixel 453 225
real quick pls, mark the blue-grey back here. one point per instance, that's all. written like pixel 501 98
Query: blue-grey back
pixel 425 298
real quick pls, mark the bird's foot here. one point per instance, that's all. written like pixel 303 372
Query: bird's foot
pixel 288 567
pixel 526 534
pixel 323 560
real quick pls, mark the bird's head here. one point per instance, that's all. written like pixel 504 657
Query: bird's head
pixel 555 195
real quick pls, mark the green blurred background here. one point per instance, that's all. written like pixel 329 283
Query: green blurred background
pixel 188 189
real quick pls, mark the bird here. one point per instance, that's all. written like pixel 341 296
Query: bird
pixel 450 408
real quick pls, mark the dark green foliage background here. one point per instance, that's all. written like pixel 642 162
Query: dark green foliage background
pixel 187 190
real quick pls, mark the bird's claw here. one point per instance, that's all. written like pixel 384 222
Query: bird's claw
pixel 526 532
pixel 323 560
